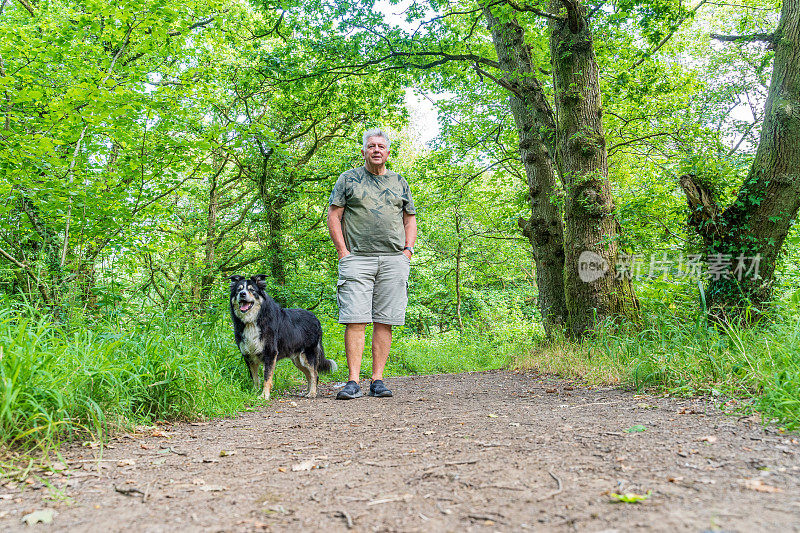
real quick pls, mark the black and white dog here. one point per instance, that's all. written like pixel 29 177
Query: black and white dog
pixel 266 333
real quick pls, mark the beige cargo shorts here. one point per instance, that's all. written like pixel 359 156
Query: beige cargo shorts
pixel 373 289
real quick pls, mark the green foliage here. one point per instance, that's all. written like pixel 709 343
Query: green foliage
pixel 677 351
pixel 631 497
pixel 58 383
pixel 62 382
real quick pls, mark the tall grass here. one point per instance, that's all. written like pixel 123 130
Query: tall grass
pixel 477 348
pixel 759 365
pixel 81 379
pixel 57 383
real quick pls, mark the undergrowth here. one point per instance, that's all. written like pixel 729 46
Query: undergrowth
pixel 58 383
pixel 84 380
pixel 757 365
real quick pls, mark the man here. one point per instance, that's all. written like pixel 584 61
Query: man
pixel 372 222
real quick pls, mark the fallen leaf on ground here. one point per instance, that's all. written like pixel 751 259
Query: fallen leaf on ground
pixel 304 466
pixel 631 497
pixel 759 486
pixel 227 453
pixel 638 428
pixel 44 516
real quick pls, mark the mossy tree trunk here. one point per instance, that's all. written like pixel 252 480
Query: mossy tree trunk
pixel 593 290
pixel 759 219
pixel 535 125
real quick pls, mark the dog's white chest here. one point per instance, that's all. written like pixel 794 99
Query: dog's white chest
pixel 251 340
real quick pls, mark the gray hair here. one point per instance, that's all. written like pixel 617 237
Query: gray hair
pixel 376 132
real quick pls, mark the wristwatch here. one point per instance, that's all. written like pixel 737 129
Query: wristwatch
pixel 410 249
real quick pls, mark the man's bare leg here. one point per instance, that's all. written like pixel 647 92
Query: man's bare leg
pixel 381 344
pixel 354 348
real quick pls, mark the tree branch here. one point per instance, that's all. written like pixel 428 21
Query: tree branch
pixel 533 10
pixel 752 38
pixel 27 6
pixel 198 24
pixel 644 137
pixel 668 36
pixel 355 69
pixel 704 213
pixel 574 15
pixel 13 260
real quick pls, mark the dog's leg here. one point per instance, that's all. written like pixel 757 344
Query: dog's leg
pixel 309 370
pixel 269 370
pixel 253 364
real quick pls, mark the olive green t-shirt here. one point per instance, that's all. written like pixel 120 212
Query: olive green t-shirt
pixel 373 211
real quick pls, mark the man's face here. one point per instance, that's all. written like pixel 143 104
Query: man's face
pixel 376 152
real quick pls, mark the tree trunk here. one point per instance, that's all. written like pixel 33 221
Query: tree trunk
pixel 207 276
pixel 459 248
pixel 277 264
pixel 273 206
pixel 536 129
pixel 751 231
pixel 593 290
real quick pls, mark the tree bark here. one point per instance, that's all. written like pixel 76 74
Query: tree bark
pixel 277 264
pixel 208 275
pixel 536 129
pixel 757 222
pixel 593 289
pixel 459 248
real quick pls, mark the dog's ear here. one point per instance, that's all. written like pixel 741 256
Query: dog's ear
pixel 235 279
pixel 261 281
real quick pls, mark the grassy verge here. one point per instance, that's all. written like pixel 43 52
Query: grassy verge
pixel 77 381
pixel 758 365
pixel 58 384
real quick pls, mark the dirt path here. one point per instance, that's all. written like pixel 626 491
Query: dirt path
pixel 493 451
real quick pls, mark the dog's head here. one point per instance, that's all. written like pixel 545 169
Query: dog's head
pixel 247 296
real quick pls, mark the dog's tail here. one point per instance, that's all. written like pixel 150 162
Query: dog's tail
pixel 324 365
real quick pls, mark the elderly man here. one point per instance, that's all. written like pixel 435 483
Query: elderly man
pixel 371 219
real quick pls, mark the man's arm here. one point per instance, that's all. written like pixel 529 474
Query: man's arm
pixel 410 227
pixel 335 214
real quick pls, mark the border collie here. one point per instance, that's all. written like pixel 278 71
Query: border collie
pixel 266 333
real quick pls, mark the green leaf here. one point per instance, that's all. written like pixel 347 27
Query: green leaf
pixel 631 497
pixel 636 429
